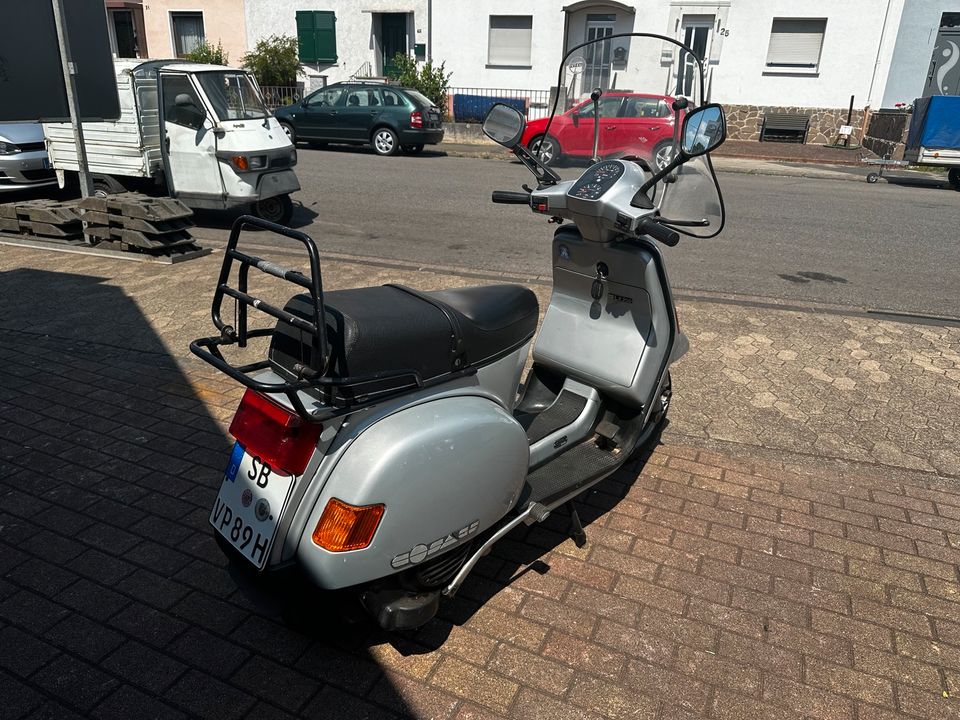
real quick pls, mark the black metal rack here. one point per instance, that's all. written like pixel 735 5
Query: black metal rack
pixel 339 394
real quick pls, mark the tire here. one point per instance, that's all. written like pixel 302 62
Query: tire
pixel 104 185
pixel 277 209
pixel 384 141
pixel 550 148
pixel 662 155
pixel 954 177
pixel 413 149
pixel 291 133
pixel 872 178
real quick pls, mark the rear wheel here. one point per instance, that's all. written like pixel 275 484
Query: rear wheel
pixel 413 149
pixel 384 141
pixel 291 133
pixel 104 185
pixel 954 177
pixel 546 148
pixel 277 209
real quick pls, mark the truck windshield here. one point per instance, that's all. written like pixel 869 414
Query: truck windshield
pixel 233 95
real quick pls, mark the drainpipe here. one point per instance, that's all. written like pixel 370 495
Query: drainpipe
pixel 430 31
pixel 876 64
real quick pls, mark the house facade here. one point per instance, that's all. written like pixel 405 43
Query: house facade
pixel 175 27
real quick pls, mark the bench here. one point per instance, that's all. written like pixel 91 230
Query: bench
pixel 784 127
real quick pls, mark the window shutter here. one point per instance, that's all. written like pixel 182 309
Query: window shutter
pixel 325 29
pixel 510 40
pixel 796 42
pixel 306 41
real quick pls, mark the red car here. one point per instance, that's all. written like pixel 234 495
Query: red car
pixel 630 124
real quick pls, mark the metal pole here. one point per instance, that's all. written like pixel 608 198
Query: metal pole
pixel 69 82
pixel 846 140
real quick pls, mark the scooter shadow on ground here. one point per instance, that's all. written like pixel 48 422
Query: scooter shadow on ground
pixel 109 463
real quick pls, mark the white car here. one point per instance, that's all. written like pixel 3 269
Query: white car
pixel 23 157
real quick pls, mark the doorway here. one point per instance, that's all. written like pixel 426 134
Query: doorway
pixel 596 74
pixel 393 39
pixel 123 34
pixel 695 34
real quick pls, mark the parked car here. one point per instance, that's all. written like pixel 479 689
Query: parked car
pixel 388 117
pixel 23 157
pixel 628 122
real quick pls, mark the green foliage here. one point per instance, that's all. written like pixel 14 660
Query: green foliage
pixel 429 79
pixel 274 61
pixel 207 53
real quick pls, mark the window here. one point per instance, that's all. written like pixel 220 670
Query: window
pixel 187 28
pixel 609 108
pixel 317 36
pixel 392 98
pixel 232 95
pixel 327 97
pixel 646 108
pixel 510 40
pixel 795 44
pixel 187 115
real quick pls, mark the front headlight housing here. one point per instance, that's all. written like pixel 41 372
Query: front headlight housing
pixel 8 148
pixel 258 162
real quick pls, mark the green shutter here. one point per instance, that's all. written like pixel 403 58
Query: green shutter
pixel 325 29
pixel 306 39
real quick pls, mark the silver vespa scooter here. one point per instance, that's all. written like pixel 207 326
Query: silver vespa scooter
pixel 383 445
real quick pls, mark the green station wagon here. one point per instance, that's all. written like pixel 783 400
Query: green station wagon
pixel 388 117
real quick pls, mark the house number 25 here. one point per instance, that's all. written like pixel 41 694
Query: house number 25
pixel 724 32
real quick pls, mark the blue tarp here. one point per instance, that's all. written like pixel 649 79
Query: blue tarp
pixel 935 123
pixel 473 108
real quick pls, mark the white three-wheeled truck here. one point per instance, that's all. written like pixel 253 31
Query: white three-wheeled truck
pixel 199 133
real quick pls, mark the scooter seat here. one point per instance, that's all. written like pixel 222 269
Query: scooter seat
pixel 392 328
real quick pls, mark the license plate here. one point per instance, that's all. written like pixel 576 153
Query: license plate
pixel 249 505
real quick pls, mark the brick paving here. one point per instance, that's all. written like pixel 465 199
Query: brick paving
pixel 731 582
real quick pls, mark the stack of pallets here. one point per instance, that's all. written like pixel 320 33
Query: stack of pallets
pixel 49 220
pixel 138 222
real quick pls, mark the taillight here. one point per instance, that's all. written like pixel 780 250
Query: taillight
pixel 416 119
pixel 347 527
pixel 280 438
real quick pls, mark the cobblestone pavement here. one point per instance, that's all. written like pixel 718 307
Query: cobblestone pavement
pixel 753 581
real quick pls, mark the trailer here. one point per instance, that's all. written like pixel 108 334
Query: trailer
pixel 933 139
pixel 198 133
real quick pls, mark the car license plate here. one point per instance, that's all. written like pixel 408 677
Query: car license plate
pixel 248 508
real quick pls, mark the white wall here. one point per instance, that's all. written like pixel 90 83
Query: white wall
pixel 356 39
pixel 914 47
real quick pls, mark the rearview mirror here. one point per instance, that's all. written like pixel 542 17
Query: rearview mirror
pixel 504 125
pixel 704 130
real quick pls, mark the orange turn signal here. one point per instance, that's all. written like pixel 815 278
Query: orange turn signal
pixel 240 162
pixel 347 527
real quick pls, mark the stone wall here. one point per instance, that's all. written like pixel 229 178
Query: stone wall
pixel 744 122
pixel 887 133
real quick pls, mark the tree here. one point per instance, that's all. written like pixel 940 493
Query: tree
pixel 274 61
pixel 207 53
pixel 429 79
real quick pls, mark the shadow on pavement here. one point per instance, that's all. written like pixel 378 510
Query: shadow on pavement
pixel 115 601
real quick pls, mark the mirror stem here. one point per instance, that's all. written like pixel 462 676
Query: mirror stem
pixel 595 96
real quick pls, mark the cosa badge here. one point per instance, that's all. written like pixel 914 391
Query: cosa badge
pixel 420 552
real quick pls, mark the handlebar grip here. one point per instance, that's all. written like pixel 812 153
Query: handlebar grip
pixel 659 232
pixel 508 197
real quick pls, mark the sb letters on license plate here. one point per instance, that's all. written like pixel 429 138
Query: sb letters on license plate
pixel 249 504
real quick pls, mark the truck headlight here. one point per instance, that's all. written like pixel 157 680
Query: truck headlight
pixel 258 162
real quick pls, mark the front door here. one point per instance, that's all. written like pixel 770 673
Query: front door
pixel 579 140
pixel 596 74
pixel 695 34
pixel 124 34
pixel 943 76
pixel 393 40
pixel 318 118
pixel 190 147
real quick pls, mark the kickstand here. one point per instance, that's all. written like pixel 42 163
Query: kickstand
pixel 577 533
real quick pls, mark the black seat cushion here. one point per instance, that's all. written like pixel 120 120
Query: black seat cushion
pixel 384 329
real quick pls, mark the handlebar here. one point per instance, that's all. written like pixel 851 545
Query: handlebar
pixel 658 232
pixel 507 197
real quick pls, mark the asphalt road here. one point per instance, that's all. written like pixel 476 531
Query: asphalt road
pixel 877 247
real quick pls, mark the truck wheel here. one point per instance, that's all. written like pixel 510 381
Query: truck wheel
pixel 384 141
pixel 277 209
pixel 104 185
pixel 954 177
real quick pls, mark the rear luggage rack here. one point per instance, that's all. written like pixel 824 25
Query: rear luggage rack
pixel 338 394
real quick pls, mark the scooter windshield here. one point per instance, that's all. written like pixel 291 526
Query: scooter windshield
pixel 625 95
